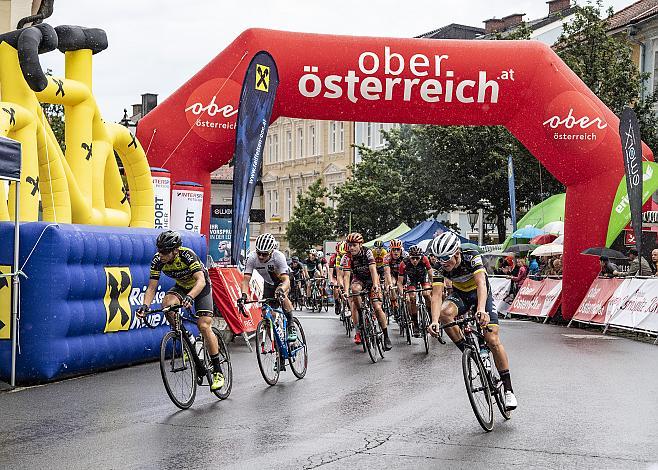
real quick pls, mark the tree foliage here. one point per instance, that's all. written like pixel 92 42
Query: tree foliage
pixel 312 220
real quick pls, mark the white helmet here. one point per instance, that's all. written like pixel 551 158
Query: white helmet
pixel 266 243
pixel 312 251
pixel 320 254
pixel 445 245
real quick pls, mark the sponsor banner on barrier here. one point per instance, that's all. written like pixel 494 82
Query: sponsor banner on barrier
pixel 186 207
pixel 5 303
pixel 500 287
pixel 549 297
pixel 636 305
pixel 162 196
pixel 593 307
pixel 226 291
pixel 525 302
pixel 116 301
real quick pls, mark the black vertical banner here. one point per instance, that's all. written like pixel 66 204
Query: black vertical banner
pixel 256 101
pixel 10 158
pixel 631 146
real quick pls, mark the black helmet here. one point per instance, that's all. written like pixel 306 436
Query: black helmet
pixel 168 240
pixel 295 259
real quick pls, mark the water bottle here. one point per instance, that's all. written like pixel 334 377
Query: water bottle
pixel 486 358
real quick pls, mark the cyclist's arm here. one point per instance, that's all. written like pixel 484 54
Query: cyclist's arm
pixel 437 300
pixel 244 287
pixel 481 283
pixel 346 280
pixel 199 285
pixel 285 282
pixel 149 295
pixel 388 280
pixel 374 275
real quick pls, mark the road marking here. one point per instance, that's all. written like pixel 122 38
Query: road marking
pixel 588 336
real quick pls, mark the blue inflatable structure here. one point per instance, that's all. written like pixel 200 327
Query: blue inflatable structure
pixel 78 301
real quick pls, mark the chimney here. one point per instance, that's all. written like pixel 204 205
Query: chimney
pixel 493 24
pixel 149 101
pixel 556 6
pixel 513 20
pixel 137 110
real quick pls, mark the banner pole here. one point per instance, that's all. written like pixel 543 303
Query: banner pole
pixel 15 288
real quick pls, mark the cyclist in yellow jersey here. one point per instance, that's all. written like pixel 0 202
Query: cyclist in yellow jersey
pixel 192 288
pixel 380 253
pixel 470 288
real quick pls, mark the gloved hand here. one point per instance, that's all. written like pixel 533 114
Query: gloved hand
pixel 142 310
pixel 187 301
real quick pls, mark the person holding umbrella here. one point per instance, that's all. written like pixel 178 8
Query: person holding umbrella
pixel 608 268
pixel 639 266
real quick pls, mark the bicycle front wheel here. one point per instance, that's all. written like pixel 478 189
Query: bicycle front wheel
pixel 178 370
pixel 477 388
pixel 368 336
pixel 298 360
pixel 423 323
pixel 267 353
pixel 499 393
pixel 225 364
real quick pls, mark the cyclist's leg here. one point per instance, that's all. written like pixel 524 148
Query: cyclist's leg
pixel 174 296
pixel 355 302
pixel 411 304
pixel 452 306
pixel 203 305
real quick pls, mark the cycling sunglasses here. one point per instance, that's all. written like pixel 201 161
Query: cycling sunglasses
pixel 444 259
pixel 262 254
pixel 414 258
pixel 165 252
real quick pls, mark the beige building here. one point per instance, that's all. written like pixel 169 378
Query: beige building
pixel 11 12
pixel 297 153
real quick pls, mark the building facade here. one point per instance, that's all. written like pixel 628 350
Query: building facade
pixel 297 153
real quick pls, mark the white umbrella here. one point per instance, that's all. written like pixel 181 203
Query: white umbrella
pixel 556 228
pixel 559 240
pixel 549 249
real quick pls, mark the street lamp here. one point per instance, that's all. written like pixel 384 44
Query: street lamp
pixel 473 219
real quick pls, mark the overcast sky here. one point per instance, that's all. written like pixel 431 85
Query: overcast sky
pixel 155 45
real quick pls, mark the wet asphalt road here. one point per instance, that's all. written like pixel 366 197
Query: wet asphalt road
pixel 584 402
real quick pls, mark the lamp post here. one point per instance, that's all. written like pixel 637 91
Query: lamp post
pixel 473 219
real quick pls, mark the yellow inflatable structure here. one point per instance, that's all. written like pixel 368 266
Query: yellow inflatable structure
pixel 81 184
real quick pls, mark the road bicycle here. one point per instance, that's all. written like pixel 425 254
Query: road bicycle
pixel 372 336
pixel 423 315
pixel 272 346
pixel 184 358
pixel 483 384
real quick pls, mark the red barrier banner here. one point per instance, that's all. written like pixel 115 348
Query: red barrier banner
pixel 550 297
pixel 525 302
pixel 225 292
pixel 593 307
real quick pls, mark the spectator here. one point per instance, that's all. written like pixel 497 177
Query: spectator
pixel 557 266
pixel 533 268
pixel 654 261
pixel 520 276
pixel 639 266
pixel 607 267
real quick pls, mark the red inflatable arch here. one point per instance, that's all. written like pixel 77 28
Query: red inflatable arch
pixel 522 85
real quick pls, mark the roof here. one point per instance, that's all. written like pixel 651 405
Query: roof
pixel 437 32
pixel 534 25
pixel 633 13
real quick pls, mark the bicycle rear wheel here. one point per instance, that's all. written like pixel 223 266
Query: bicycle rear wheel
pixel 178 370
pixel 267 352
pixel 299 359
pixel 477 388
pixel 499 392
pixel 225 364
pixel 423 323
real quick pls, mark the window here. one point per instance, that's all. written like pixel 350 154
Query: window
pixel 369 135
pixel 268 203
pixel 275 144
pixel 380 138
pixel 275 196
pixel 341 136
pixel 333 130
pixel 288 204
pixel 269 149
pixel 300 143
pixel 288 145
pixel 313 140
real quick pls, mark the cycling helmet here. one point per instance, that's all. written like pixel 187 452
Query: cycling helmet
pixel 445 245
pixel 168 240
pixel 320 254
pixel 395 243
pixel 415 250
pixel 354 237
pixel 312 251
pixel 342 248
pixel 266 243
pixel 295 259
pixel 379 244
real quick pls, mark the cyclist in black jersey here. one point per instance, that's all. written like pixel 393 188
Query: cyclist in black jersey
pixel 192 288
pixel 470 288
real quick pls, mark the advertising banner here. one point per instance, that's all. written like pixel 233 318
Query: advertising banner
pixel 10 158
pixel 593 307
pixel 525 302
pixel 186 206
pixel 512 191
pixel 636 305
pixel 631 145
pixel 226 291
pixel 256 101
pixel 219 243
pixel 549 297
pixel 500 287
pixel 162 194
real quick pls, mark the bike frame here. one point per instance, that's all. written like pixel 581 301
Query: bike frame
pixel 271 314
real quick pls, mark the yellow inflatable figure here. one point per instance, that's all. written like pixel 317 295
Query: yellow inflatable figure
pixel 81 185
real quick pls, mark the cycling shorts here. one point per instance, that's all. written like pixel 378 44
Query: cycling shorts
pixel 465 300
pixel 367 286
pixel 203 304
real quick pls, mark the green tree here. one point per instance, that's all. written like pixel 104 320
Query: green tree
pixel 382 192
pixel 604 63
pixel 312 220
pixel 55 116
